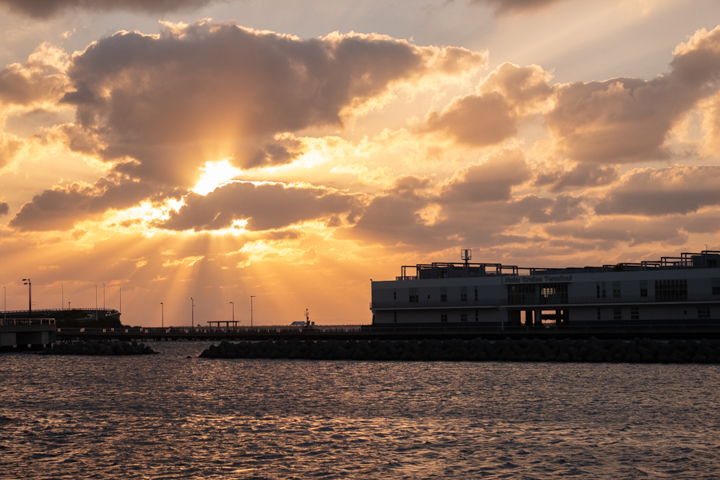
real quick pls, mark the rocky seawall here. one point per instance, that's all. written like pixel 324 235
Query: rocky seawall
pixel 98 348
pixel 639 350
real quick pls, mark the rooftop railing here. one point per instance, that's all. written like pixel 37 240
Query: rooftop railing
pixel 26 321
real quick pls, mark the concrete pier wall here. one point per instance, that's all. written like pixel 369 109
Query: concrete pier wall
pixel 24 333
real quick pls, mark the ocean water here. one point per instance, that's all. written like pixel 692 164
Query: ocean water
pixel 167 416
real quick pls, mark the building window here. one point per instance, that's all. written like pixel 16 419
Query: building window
pixel 643 288
pixel 553 293
pixel 634 313
pixel 521 294
pixel 704 311
pixel 477 317
pixel 463 294
pixel 476 294
pixel 443 297
pixel 599 317
pixel 443 317
pixel 463 317
pixel 395 317
pixel 616 290
pixel 716 286
pixel 617 313
pixel 394 295
pixel 670 290
pixel 414 295
pixel 600 291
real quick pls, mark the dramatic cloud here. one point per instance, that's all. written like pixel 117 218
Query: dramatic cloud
pixel 60 208
pixel 475 205
pixel 47 8
pixel 627 120
pixel 4 208
pixel 490 116
pixel 548 210
pixel 612 231
pixel 582 175
pixel 672 190
pixel 36 81
pixel 264 207
pixel 210 91
pixel 489 181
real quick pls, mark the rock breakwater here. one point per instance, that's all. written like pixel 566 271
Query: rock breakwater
pixel 99 348
pixel 639 350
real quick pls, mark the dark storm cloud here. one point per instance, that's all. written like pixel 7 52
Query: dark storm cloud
pixel 264 206
pixel 60 208
pixel 47 8
pixel 208 91
pixel 672 190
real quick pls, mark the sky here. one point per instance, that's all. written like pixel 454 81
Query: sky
pixel 206 151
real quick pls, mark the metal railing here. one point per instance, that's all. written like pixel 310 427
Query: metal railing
pixel 222 329
pixel 26 321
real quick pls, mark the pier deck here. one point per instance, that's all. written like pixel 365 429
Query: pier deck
pixel 24 333
pixel 366 332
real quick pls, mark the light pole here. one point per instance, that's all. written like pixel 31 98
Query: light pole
pixel 68 305
pixel 233 311
pixel 62 297
pixel 5 304
pixel 26 281
pixel 251 319
pixel 192 313
pixel 104 308
pixel 162 315
pixel 120 310
pixel 96 306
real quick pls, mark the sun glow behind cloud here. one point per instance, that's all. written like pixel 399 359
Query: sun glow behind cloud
pixel 214 175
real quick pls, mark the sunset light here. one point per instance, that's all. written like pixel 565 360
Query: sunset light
pixel 294 160
pixel 437 239
pixel 214 175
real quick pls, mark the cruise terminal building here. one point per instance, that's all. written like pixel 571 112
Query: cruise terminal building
pixel 674 291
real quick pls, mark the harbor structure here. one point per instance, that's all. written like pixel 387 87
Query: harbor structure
pixel 673 291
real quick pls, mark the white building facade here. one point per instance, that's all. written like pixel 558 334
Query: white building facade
pixel 678 291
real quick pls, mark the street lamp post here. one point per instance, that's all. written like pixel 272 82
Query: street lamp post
pixel 104 308
pixel 251 319
pixel 5 304
pixel 192 313
pixel 162 315
pixel 96 306
pixel 26 281
pixel 62 297
pixel 233 311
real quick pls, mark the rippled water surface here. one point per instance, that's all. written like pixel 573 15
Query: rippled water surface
pixel 168 416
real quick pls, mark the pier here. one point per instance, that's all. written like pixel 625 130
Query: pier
pixel 26 333
pixel 368 332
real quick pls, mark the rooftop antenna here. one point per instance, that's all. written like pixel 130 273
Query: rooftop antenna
pixel 466 255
